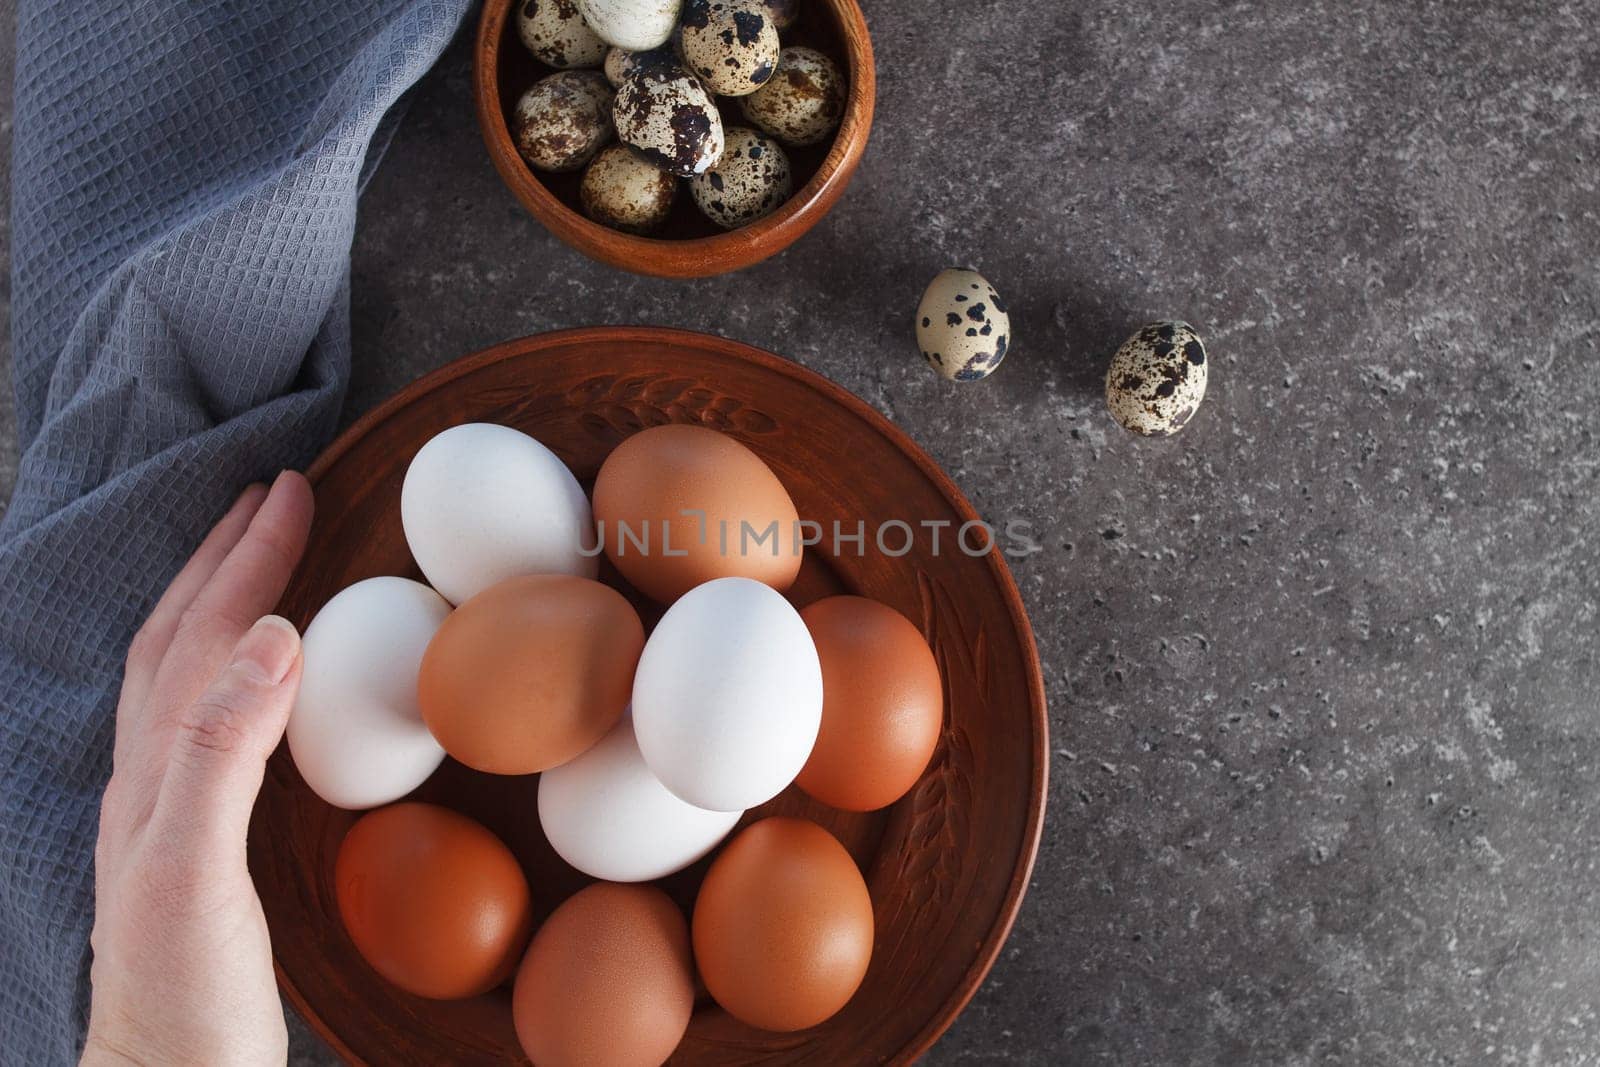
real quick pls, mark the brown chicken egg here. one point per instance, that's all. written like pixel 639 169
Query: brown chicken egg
pixel 433 901
pixel 607 980
pixel 783 926
pixel 681 505
pixel 882 704
pixel 530 672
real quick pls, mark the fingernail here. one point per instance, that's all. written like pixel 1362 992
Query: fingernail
pixel 270 647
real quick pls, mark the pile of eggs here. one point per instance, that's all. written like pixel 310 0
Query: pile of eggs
pixel 650 746
pixel 649 74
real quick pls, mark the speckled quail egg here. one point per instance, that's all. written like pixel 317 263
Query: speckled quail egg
pixel 1157 379
pixel 556 34
pixel 731 44
pixel 664 112
pixel 804 100
pixel 749 182
pixel 619 63
pixel 783 13
pixel 962 325
pixel 626 191
pixel 632 24
pixel 564 120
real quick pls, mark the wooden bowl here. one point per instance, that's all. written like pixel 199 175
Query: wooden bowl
pixel 946 866
pixel 689 245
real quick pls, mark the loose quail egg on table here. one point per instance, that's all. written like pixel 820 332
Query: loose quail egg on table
pixel 626 191
pixel 731 44
pixel 749 182
pixel 962 326
pixel 632 24
pixel 554 31
pixel 564 120
pixel 1157 379
pixel 665 112
pixel 803 102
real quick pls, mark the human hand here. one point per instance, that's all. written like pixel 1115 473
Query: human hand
pixel 182 968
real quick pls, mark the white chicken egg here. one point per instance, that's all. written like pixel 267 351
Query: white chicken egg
pixel 356 733
pixel 609 817
pixel 482 503
pixel 727 698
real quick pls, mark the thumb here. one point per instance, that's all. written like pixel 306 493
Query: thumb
pixel 223 740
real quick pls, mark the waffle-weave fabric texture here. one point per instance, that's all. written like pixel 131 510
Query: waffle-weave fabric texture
pixel 184 184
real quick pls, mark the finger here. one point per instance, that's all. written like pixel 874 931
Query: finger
pixel 150 643
pixel 220 749
pixel 245 586
pixel 249 582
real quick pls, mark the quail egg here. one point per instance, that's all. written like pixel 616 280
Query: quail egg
pixel 783 13
pixel 962 325
pixel 632 24
pixel 664 112
pixel 1157 379
pixel 556 34
pixel 564 120
pixel 730 44
pixel 626 191
pixel 804 100
pixel 750 181
pixel 619 63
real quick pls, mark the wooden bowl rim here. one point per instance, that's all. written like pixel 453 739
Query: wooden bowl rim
pixel 692 257
pixel 989 950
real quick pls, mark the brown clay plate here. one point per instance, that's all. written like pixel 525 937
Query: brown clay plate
pixel 946 866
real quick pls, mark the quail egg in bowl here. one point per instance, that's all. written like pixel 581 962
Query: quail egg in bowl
pixel 674 114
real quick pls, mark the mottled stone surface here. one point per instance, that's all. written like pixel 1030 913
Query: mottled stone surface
pixel 1322 668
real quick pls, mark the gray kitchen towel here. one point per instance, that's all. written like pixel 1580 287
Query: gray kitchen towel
pixel 184 181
